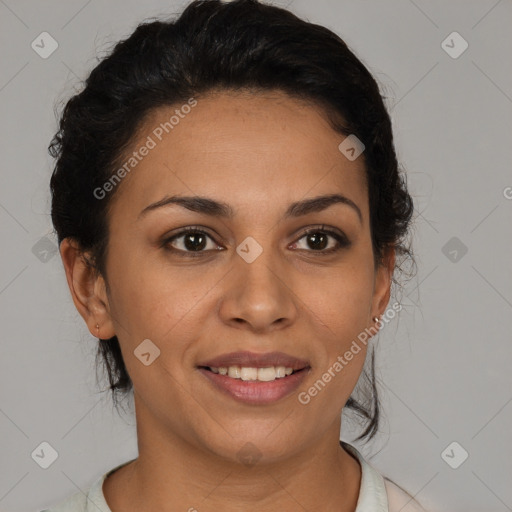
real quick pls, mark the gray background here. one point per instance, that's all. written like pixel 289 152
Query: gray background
pixel 444 365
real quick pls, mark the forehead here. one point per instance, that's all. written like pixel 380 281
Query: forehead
pixel 245 148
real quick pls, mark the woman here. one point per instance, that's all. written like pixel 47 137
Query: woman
pixel 230 216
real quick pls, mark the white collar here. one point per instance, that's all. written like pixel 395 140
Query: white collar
pixel 372 493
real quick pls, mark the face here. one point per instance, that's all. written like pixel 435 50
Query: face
pixel 253 281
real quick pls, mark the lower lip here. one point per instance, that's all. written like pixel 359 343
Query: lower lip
pixel 254 391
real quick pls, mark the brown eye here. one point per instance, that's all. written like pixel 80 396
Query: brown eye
pixel 190 242
pixel 317 240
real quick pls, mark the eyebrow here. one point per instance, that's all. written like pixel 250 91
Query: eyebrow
pixel 220 209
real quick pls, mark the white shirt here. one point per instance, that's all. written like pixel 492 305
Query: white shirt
pixel 376 493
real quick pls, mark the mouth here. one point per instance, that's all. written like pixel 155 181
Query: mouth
pixel 252 360
pixel 248 373
pixel 255 378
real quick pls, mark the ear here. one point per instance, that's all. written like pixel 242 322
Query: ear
pixel 88 290
pixel 382 283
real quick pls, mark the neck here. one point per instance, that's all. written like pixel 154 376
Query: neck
pixel 173 473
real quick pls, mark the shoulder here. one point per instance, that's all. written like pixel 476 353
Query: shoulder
pixel 92 500
pixel 379 493
pixel 399 499
pixel 74 503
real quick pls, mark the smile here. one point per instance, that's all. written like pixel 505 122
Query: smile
pixel 255 386
pixel 247 373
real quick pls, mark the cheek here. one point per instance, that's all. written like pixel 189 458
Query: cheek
pixel 151 297
pixel 341 352
pixel 342 297
pixel 341 306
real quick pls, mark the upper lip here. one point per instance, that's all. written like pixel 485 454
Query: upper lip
pixel 253 360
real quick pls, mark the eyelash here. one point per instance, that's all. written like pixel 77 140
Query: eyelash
pixel 343 242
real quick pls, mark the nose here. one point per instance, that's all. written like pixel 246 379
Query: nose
pixel 259 295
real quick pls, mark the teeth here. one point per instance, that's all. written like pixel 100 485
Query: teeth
pixel 262 374
pixel 281 372
pixel 234 372
pixel 247 373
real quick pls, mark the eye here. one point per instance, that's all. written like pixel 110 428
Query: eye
pixel 191 241
pixel 318 239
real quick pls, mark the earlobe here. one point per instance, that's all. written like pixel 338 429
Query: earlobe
pixel 87 289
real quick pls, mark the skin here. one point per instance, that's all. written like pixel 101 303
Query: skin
pixel 259 152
